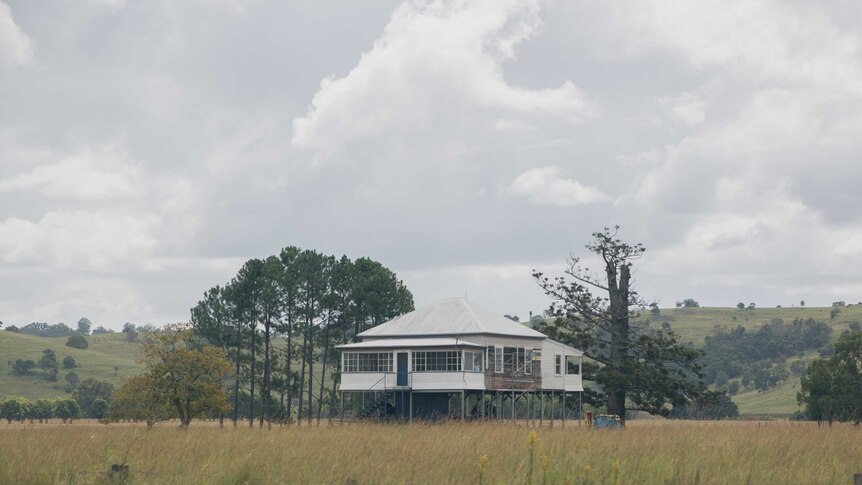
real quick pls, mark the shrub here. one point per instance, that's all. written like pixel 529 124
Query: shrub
pixel 77 341
pixel 88 391
pixel 69 362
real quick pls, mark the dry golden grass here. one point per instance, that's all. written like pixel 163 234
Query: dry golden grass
pixel 650 452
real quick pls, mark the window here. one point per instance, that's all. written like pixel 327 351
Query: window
pixel 368 362
pixel 498 360
pixel 558 364
pixel 528 364
pixel 473 361
pixel 448 361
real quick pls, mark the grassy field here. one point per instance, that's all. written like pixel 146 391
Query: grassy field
pixel 648 452
pixel 105 352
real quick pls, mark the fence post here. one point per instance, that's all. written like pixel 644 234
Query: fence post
pixel 857 479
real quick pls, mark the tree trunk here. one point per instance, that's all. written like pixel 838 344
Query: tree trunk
pixel 265 414
pixel 236 379
pixel 304 356
pixel 251 391
pixel 289 359
pixel 618 293
pixel 323 373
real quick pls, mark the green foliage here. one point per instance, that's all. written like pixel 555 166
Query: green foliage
pixel 832 387
pixel 22 367
pixel 690 303
pixel 84 326
pixel 88 391
pixel 69 362
pixel 42 329
pixel 138 399
pixel 67 409
pixel 185 375
pixel 739 351
pixel 73 379
pixel 14 409
pixel 77 342
pixel 48 360
pixel 99 409
pixel 711 405
pixel 42 409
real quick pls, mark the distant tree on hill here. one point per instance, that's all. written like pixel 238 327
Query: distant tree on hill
pixel 131 332
pixel 654 309
pixel 22 367
pixel 48 360
pixel 832 387
pixel 647 369
pixel 513 318
pixel 855 327
pixel 802 303
pixel 665 326
pixel 73 379
pixel 833 313
pixel 69 362
pixel 101 330
pixel 12 328
pixel 752 306
pixel 740 305
pixel 42 329
pixel 84 326
pixel 690 303
pixel 88 391
pixel 77 342
pixel 733 388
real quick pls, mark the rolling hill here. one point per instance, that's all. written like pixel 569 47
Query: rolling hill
pixel 693 324
pixel 104 353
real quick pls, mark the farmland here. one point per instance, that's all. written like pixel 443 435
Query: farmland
pixel 645 452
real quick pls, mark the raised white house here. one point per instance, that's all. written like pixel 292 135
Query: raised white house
pixel 414 365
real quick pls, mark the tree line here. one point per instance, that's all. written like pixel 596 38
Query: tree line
pixel 282 316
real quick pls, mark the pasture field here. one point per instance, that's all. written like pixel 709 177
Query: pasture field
pixel 646 452
pixel 109 357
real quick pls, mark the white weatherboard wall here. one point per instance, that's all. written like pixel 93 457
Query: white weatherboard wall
pixel 550 380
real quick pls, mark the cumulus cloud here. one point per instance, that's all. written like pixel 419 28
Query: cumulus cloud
pixel 16 49
pixel 79 239
pixel 101 173
pixel 545 185
pixel 433 59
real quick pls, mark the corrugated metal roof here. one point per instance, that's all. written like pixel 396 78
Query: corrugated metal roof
pixel 390 343
pixel 453 316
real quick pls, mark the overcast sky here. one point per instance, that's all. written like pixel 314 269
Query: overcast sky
pixel 148 148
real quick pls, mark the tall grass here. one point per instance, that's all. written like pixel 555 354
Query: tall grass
pixel 653 452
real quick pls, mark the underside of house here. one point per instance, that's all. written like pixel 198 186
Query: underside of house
pixel 454 359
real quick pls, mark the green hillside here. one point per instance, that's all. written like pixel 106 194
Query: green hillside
pixel 693 324
pixel 98 361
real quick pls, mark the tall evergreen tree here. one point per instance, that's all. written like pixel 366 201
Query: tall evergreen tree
pixel 649 369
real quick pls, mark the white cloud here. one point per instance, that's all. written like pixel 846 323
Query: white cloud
pixel 93 174
pixel 544 185
pixel 79 239
pixel 437 59
pixel 686 108
pixel 16 49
